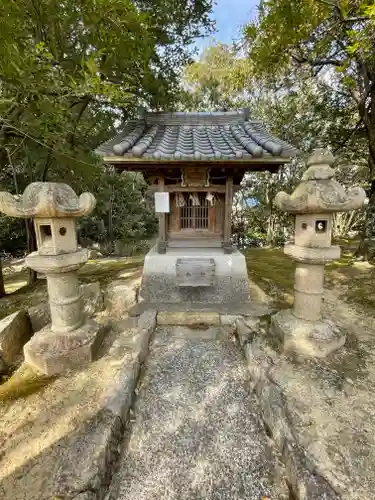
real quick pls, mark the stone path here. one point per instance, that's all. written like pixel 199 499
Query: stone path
pixel 196 433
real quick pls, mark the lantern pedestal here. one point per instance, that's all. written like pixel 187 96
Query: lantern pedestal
pixel 70 341
pixel 53 353
pixel 307 338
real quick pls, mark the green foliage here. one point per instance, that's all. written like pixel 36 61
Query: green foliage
pixel 334 41
pixel 329 40
pixel 220 80
pixel 67 69
pixel 69 72
pixel 302 111
pixel 316 32
pixel 123 210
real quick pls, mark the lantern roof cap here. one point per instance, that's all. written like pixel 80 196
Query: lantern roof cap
pixel 318 191
pixel 47 199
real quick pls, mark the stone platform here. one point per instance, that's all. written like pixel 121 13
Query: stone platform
pixel 225 281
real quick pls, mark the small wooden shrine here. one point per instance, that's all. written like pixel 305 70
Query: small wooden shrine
pixel 195 162
pixel 200 160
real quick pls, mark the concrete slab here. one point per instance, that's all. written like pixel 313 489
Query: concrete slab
pixel 15 331
pixel 210 333
pixel 188 318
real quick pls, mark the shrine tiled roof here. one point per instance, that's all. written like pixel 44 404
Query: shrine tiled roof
pixel 196 136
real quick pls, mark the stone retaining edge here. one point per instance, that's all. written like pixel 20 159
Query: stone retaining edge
pixel 303 479
pixel 85 472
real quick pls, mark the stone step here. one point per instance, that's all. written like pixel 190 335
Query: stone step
pixel 188 318
pixel 204 333
pixel 246 309
pixel 206 243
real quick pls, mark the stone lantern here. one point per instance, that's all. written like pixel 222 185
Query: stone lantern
pixel 313 203
pixel 70 340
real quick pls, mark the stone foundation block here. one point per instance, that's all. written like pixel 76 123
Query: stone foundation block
pixel 92 298
pixel 247 328
pixel 92 452
pixel 188 318
pixel 161 282
pixel 40 316
pixel 120 296
pixel 307 338
pixel 273 412
pixel 55 353
pixel 229 319
pixel 15 331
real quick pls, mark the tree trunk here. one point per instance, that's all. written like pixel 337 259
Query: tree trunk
pixel 2 289
pixel 367 113
pixel 369 219
pixel 31 247
pixel 270 231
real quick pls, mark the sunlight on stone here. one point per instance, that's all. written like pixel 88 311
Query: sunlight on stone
pixel 213 392
pixel 69 400
pixel 128 274
pixel 199 472
pixel 233 409
pixel 42 438
pixel 14 286
pixel 173 394
pixel 174 424
pixel 198 412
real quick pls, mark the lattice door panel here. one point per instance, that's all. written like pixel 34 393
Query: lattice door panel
pixel 195 216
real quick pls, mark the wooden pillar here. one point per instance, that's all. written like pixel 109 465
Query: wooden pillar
pixel 228 215
pixel 162 241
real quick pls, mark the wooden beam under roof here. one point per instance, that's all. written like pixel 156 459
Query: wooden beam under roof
pixel 272 165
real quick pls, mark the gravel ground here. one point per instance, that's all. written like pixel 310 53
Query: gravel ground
pixel 196 433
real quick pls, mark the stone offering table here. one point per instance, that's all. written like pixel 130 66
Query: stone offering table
pixel 70 340
pixel 313 202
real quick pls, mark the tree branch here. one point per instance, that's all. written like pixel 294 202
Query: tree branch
pixel 354 19
pixel 348 136
pixel 322 62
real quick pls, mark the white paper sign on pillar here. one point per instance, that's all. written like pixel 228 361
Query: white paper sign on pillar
pixel 162 203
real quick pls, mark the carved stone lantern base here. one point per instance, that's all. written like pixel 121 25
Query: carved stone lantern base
pixel 55 353
pixel 307 338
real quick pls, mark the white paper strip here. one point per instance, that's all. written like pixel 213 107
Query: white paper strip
pixel 162 203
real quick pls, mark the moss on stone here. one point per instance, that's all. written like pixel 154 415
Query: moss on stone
pixel 24 382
